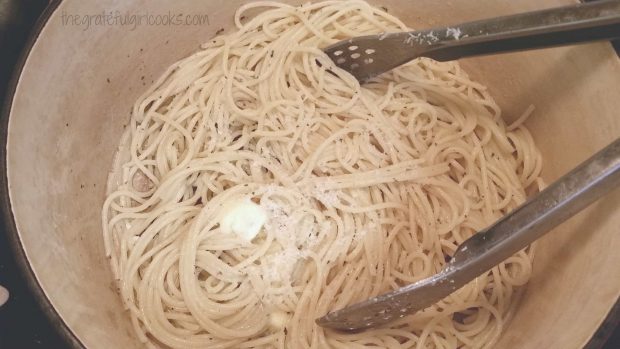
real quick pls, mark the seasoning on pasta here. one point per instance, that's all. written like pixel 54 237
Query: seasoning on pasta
pixel 258 187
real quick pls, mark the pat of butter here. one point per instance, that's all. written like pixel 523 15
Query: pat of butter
pixel 243 218
pixel 278 319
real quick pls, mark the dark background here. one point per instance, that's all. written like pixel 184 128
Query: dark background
pixel 22 324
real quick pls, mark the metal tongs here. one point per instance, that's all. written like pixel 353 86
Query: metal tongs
pixel 368 56
pixel 570 194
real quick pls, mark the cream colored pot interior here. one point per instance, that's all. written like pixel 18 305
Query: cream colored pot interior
pixel 79 84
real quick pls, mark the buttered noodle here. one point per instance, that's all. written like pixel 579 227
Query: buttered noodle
pixel 366 189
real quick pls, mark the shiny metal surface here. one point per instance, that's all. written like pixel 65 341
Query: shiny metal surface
pixel 368 56
pixel 570 194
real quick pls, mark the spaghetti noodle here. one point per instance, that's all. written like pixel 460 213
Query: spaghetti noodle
pixel 365 189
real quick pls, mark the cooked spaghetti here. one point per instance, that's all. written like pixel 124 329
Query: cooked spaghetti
pixel 359 190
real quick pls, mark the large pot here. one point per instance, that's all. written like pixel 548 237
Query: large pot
pixel 77 84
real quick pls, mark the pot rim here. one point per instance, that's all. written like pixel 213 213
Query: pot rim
pixel 8 220
pixel 598 339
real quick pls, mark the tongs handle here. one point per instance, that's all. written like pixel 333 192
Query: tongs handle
pixel 570 194
pixel 566 25
pixel 589 181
